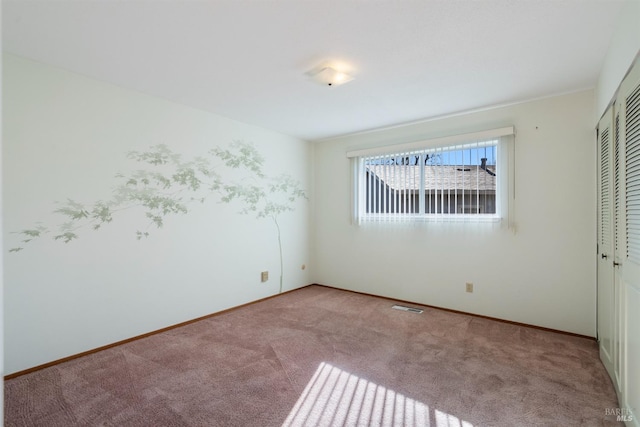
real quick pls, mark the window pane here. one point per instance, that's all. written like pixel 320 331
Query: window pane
pixel 444 181
pixel 461 181
pixel 393 183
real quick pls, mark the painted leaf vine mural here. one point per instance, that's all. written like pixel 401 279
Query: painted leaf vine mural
pixel 165 184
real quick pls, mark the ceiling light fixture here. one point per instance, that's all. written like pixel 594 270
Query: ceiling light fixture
pixel 329 76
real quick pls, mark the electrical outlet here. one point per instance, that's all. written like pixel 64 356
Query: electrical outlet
pixel 469 287
pixel 264 276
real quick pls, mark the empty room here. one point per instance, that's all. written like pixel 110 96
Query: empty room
pixel 321 213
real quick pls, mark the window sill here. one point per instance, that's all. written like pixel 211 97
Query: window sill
pixel 459 218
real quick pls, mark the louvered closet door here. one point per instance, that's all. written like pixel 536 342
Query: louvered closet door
pixel 619 240
pixel 628 254
pixel 605 242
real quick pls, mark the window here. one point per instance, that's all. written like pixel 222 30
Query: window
pixel 464 177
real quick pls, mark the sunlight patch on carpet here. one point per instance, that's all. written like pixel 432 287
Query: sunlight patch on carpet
pixel 334 397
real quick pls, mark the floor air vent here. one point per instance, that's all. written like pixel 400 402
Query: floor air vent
pixel 405 308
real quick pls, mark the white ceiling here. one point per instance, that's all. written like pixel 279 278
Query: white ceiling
pixel 247 60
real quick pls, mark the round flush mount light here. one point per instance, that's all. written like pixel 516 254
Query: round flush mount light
pixel 329 76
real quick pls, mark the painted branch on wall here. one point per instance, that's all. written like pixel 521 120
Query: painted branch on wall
pixel 166 184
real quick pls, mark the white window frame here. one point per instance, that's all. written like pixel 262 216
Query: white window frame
pixel 503 138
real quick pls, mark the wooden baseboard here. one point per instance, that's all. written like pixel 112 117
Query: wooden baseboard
pixel 137 337
pixel 168 328
pixel 541 328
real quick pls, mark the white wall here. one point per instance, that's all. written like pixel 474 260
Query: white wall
pixel 625 46
pixel 542 275
pixel 65 136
